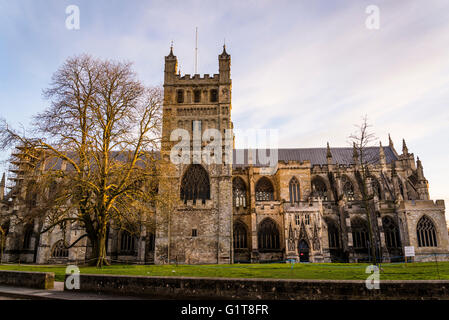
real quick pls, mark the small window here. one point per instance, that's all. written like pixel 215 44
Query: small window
pixel 197 96
pixel 194 232
pixel 180 96
pixel 307 219
pixel 214 95
pixel 297 219
pixel 294 190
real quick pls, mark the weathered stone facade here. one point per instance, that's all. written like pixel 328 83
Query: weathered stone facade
pixel 308 207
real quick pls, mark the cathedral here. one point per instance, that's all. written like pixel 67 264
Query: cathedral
pixel 307 207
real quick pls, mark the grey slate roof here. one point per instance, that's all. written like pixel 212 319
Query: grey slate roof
pixel 317 156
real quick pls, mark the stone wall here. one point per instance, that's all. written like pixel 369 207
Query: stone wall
pixel 37 280
pixel 226 288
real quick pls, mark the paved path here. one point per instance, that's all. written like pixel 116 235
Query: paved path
pixel 57 293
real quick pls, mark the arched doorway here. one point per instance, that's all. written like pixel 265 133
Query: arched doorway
pixel 303 250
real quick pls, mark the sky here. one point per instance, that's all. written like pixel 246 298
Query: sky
pixel 310 69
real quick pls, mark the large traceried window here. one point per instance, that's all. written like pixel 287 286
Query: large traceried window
pixel 264 190
pixel 59 250
pixel 391 232
pixel 127 243
pixel 268 235
pixel 195 184
pixel 294 190
pixel 319 189
pixel 240 236
pixel 360 234
pixel 239 193
pixel 426 233
pixel 348 188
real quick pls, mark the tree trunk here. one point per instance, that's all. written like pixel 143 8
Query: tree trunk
pixel 98 257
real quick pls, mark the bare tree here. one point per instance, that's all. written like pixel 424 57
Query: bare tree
pixel 96 147
pixel 361 139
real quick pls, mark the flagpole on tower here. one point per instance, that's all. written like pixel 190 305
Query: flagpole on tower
pixel 196 50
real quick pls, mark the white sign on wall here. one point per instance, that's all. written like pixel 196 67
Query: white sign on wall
pixel 409 251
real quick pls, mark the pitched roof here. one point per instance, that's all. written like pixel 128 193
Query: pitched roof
pixel 317 156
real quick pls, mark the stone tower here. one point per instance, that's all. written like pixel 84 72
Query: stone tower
pixel 194 220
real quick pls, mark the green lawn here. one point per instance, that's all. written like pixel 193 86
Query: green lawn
pixel 337 271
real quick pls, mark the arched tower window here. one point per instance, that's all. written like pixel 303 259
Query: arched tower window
pixel 239 192
pixel 197 96
pixel 240 236
pixel 360 234
pixel 195 184
pixel 180 96
pixel 127 243
pixel 27 236
pixel 348 188
pixel 294 190
pixel 268 235
pixel 426 232
pixel 264 190
pixel 391 232
pixel 59 250
pixel 319 188
pixel 214 95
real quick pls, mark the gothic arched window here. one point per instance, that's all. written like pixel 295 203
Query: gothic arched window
pixel 348 188
pixel 127 243
pixel 197 96
pixel 268 235
pixel 239 192
pixel 294 190
pixel 426 232
pixel 264 190
pixel 59 250
pixel 240 236
pixel 27 236
pixel 376 188
pixel 195 184
pixel 333 235
pixel 319 188
pixel 360 235
pixel 391 232
pixel 214 95
pixel 180 96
